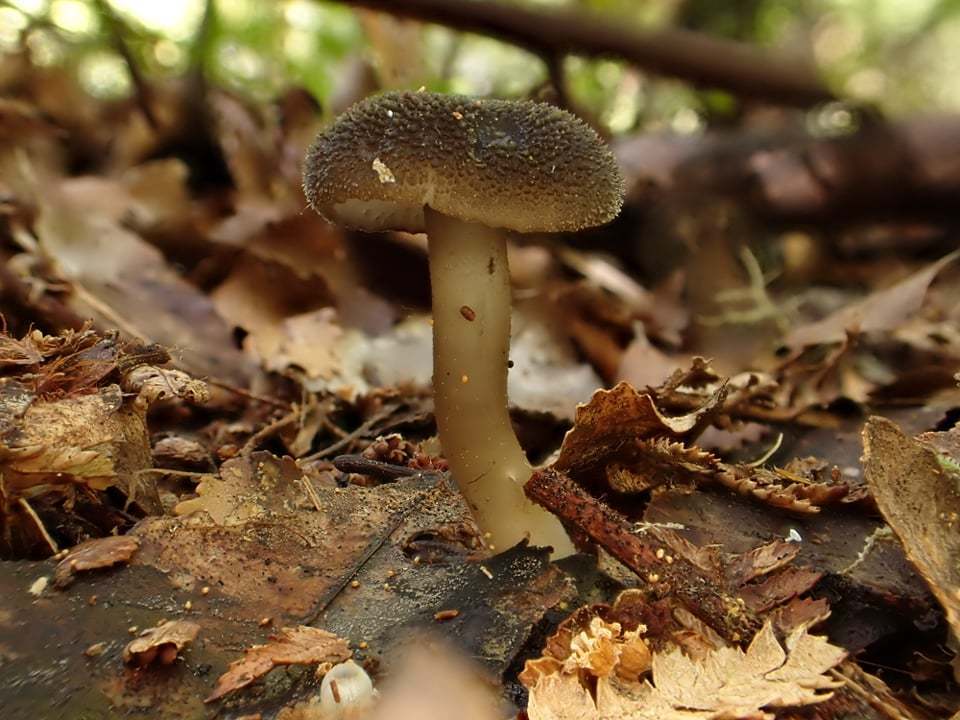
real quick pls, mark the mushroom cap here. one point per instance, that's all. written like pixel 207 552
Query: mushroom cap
pixel 524 166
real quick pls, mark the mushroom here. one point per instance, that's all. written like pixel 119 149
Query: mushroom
pixel 465 170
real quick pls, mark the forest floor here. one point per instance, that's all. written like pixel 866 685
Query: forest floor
pixel 217 451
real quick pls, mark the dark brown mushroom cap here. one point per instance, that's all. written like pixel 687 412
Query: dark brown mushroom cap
pixel 524 166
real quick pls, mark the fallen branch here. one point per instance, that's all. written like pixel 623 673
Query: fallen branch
pixel 656 555
pixel 741 69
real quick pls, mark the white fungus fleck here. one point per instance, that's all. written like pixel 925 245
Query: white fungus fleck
pixel 345 686
pixel 384 173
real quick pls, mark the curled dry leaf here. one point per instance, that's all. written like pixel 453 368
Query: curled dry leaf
pixel 93 555
pixel 300 645
pixel 160 644
pixel 726 683
pixel 600 649
pixel 616 419
pixel 919 498
pixel 154 383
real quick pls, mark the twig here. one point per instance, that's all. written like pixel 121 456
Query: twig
pixel 312 493
pixel 374 468
pixel 41 528
pixel 655 555
pixel 265 432
pixel 140 86
pixel 279 404
pixel 739 68
pixel 350 437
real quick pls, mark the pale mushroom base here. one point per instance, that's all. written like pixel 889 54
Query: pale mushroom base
pixel 471 337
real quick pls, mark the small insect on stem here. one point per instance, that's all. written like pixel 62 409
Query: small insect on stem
pixel 468 313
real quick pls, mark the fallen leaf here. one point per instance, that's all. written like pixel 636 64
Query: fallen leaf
pixel 617 418
pixel 249 487
pixel 94 555
pixel 920 500
pixel 96 440
pixel 546 375
pixel 127 283
pixel 301 645
pixel 160 644
pixel 727 683
pixel 884 310
pixel 643 364
pixel 152 383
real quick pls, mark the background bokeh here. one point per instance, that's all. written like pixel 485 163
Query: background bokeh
pixel 901 56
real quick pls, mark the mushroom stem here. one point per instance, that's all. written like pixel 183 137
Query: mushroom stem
pixel 471 340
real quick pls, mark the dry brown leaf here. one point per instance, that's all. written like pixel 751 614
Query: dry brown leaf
pixel 160 644
pixel 94 555
pixel 920 500
pixel 661 462
pixel 644 365
pixel 615 419
pixel 300 645
pixel 154 383
pixel 249 487
pixel 125 282
pixel 291 327
pixel 727 683
pixel 546 375
pixel 96 440
pixel 883 310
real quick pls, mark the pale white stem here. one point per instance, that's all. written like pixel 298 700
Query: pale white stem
pixel 471 340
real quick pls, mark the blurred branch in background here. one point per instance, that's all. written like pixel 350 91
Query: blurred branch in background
pixel 117 31
pixel 891 169
pixel 707 61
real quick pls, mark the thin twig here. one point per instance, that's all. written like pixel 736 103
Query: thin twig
pixel 374 468
pixel 265 432
pixel 224 385
pixel 28 509
pixel 349 438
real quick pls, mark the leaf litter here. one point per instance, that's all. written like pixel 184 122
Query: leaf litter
pixel 237 453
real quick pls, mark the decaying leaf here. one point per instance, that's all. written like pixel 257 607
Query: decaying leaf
pixel 661 462
pixel 300 645
pixel 93 555
pixel 727 683
pixel 160 644
pixel 622 436
pixel 920 500
pixel 616 419
pixel 154 383
pixel 601 648
pixel 96 440
pixel 883 310
pixel 73 423
pixel 249 487
pixel 125 282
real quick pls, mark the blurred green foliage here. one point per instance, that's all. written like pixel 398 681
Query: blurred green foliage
pixel 902 56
